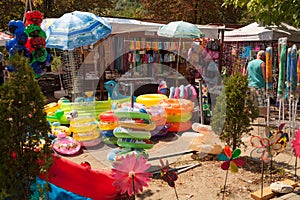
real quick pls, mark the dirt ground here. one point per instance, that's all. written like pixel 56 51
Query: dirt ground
pixel 206 181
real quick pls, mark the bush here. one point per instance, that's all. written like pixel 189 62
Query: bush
pixel 240 111
pixel 22 126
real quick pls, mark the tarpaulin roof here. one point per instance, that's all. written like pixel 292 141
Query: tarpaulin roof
pixel 257 32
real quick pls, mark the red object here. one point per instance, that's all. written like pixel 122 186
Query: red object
pixel 81 180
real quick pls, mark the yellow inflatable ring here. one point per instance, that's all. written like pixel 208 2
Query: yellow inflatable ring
pixel 182 117
pixel 150 99
pixel 105 126
pixel 92 135
pixel 177 105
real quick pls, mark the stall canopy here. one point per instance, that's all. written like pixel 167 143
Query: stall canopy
pixel 3 38
pixel 121 25
pixel 257 32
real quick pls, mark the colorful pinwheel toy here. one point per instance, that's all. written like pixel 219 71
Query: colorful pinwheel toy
pixel 266 148
pixel 232 160
pixel 168 176
pixel 130 174
pixel 296 143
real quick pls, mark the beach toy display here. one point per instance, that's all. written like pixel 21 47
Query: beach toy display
pixel 150 99
pixel 85 129
pixel 65 145
pixel 107 124
pixel 159 118
pixel 133 131
pixel 179 113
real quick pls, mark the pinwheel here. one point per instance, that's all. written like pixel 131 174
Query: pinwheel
pixel 296 144
pixel 168 176
pixel 296 147
pixel 265 148
pixel 232 162
pixel 130 174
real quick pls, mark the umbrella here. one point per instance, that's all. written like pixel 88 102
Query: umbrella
pixel 73 30
pixel 76 29
pixel 180 29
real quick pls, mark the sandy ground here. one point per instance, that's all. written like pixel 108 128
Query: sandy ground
pixel 204 181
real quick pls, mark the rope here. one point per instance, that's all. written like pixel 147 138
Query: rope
pixel 28 2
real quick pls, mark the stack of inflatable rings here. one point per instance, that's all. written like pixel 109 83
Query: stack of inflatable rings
pixel 133 131
pixel 85 130
pixel 179 113
pixel 159 118
pixel 108 122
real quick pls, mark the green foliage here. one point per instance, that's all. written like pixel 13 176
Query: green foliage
pixel 194 11
pixel 127 9
pixel 240 111
pixel 271 11
pixel 22 125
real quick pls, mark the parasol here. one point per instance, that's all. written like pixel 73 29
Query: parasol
pixel 180 29
pixel 76 29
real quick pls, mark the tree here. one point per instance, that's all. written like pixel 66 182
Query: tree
pixel 23 128
pixel 271 11
pixel 14 9
pixel 240 110
pixel 193 11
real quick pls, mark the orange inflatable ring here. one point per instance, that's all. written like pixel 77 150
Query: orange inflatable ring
pixel 177 105
pixel 179 117
pixel 150 99
pixel 180 126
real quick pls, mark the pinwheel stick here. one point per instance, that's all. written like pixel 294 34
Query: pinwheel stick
pixel 262 179
pixel 295 176
pixel 225 184
pixel 132 176
pixel 176 193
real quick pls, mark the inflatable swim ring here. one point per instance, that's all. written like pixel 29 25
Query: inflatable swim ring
pixel 179 117
pixel 121 132
pixel 108 116
pixel 79 128
pixel 65 145
pixel 108 133
pixel 109 140
pixel 179 126
pixel 55 130
pixel 158 114
pixel 105 126
pixel 134 143
pixel 91 143
pixel 150 99
pixel 92 135
pixel 177 105
pixel 136 125
pixel 132 113
pixel 51 107
pixel 117 153
pixel 160 131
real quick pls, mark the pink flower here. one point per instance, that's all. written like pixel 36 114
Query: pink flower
pixel 130 174
pixel 296 143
